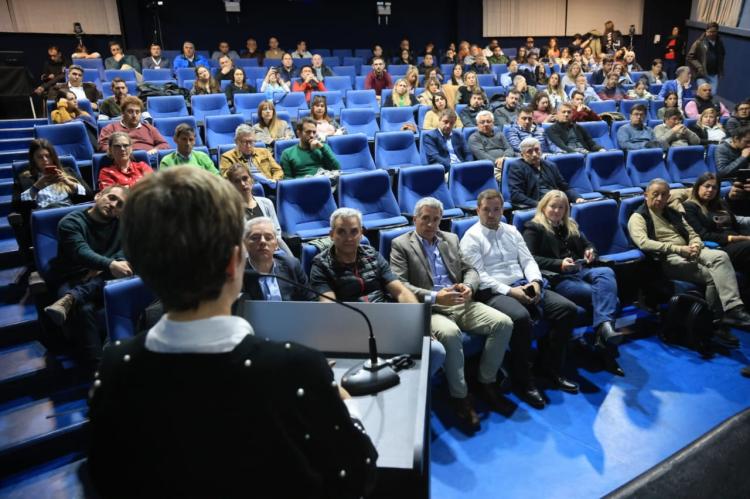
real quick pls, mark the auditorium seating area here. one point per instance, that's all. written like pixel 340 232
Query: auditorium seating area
pixel 579 446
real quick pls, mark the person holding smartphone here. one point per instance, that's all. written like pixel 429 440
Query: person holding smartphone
pixel 567 258
pixel 510 281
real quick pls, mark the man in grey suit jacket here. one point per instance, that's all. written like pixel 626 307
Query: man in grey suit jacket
pixel 430 264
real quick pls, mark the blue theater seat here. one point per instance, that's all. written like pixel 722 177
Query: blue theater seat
pixel 362 99
pixel 280 145
pixel 686 163
pixel 220 129
pixel 125 74
pixel 167 106
pixel 644 165
pixel 599 221
pixel 371 194
pixel 157 74
pixel 334 100
pixel 392 119
pixel 340 83
pixel 573 168
pixel 461 225
pixel 69 139
pixel 607 173
pixel 599 131
pixel 352 151
pixel 247 104
pixel 44 235
pixel 394 150
pixel 605 106
pixel 421 182
pixel 468 180
pixel 291 102
pixel 167 126
pixel 305 206
pixel 360 121
pixel 124 302
pixel 208 105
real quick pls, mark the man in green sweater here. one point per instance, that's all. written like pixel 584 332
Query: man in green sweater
pixel 88 254
pixel 184 137
pixel 311 157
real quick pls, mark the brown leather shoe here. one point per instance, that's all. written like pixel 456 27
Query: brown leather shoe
pixel 466 413
pixel 58 311
pixel 489 392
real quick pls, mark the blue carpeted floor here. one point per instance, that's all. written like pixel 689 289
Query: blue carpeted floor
pixel 589 444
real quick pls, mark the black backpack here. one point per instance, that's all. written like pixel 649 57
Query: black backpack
pixel 689 322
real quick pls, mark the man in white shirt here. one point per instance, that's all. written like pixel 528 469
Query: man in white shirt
pixel 511 282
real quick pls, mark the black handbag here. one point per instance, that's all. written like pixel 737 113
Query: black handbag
pixel 688 321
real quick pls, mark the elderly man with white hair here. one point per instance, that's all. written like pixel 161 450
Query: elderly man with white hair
pixel 487 143
pixel 532 177
pixel 430 263
pixel 259 160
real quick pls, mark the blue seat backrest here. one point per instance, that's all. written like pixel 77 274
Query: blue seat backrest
pixel 598 220
pixel 461 225
pixel 44 234
pixel 124 302
pixel 387 237
pixel 521 217
pixel 421 182
pixel 395 149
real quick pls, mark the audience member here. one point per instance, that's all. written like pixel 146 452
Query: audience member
pixel 226 67
pixel 320 70
pixel 477 103
pixel 568 260
pixel 53 71
pixel 636 134
pixel 670 102
pixel 144 136
pixel 400 97
pixel 740 117
pixel 270 127
pixel 273 52
pixel 189 58
pixel 273 84
pixel 734 154
pixel 555 91
pixel 326 124
pixel 238 85
pixel 225 51
pixel 599 77
pixel 287 71
pixel 674 51
pixel 122 170
pixel 640 91
pixel 656 76
pixel 510 281
pixel 588 92
pixel 523 128
pixel 498 56
pixel 204 83
pixel 470 85
pixel 432 117
pixel 199 353
pixel 569 136
pixel 542 110
pixel 184 138
pixel 706 57
pixel 378 78
pixel 81 52
pixel 703 100
pixel 88 255
pixel 404 58
pixel 673 132
pixel 680 85
pixel 444 145
pixel 301 51
pixel 572 72
pixel 525 91
pixel 377 52
pixel 507 113
pixel 532 177
pixel 612 89
pixel 119 60
pixel 431 87
pixel 155 60
pixel 713 220
pixel 449 284
pixel 259 160
pixel 708 129
pixel 580 111
pixel 242 180
pixel 480 65
pixel 426 65
pixel 349 271
pixel 311 156
pixel 630 62
pixel 661 231
pixel 111 107
pixel 66 110
pixel 262 245
pixel 449 57
pixel 457 75
pixel 82 90
pixel 251 51
pixel 307 83
pixel 488 144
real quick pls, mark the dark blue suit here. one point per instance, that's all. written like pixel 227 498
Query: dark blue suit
pixel 436 150
pixel 285 266
pixel 524 183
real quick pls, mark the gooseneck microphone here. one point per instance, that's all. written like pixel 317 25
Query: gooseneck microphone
pixel 369 377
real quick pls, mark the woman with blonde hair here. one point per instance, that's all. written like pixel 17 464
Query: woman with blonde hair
pixel 573 70
pixel 470 84
pixel 569 260
pixel 269 127
pixel 708 127
pixel 412 78
pixel 431 87
pixel 431 120
pixel 400 96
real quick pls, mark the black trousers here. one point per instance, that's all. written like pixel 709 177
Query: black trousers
pixel 556 309
pixel 739 254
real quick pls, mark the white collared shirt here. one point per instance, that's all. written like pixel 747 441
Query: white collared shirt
pixel 220 334
pixel 500 256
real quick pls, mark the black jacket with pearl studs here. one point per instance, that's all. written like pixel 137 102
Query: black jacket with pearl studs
pixel 263 420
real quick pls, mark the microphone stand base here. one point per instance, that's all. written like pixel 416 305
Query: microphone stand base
pixel 364 379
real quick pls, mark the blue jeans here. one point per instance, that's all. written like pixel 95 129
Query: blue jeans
pixel 592 288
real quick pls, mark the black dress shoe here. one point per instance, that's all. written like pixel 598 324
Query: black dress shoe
pixel 606 336
pixel 498 403
pixel 531 396
pixel 610 363
pixel 465 412
pixel 562 383
pixel 745 371
pixel 737 317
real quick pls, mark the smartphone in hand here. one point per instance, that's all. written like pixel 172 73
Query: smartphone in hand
pixel 530 291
